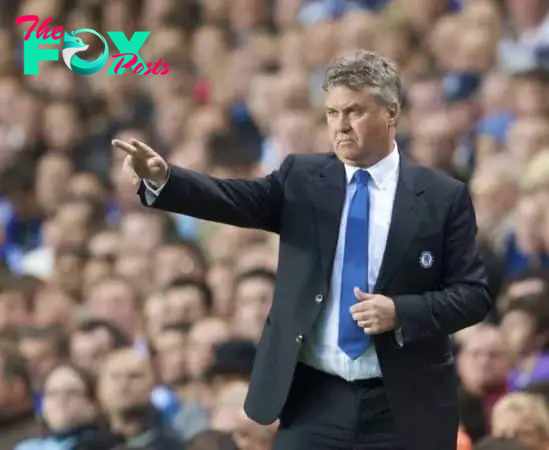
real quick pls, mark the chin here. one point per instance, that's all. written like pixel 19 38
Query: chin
pixel 349 153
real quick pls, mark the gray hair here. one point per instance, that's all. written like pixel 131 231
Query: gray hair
pixel 365 68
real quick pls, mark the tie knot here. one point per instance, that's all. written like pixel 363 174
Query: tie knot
pixel 362 177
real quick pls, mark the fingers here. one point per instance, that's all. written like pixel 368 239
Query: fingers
pixel 143 148
pixel 124 146
pixel 135 148
pixel 128 166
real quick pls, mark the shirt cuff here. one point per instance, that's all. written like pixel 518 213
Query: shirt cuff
pixel 153 189
pixel 152 192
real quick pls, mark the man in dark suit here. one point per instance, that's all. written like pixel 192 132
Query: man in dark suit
pixel 378 265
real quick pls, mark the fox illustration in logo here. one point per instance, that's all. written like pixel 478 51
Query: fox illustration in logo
pixel 72 45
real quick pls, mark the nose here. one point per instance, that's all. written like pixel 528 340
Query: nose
pixel 343 125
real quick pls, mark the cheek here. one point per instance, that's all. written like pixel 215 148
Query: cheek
pixel 367 127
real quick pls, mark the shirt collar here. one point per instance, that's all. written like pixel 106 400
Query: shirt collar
pixel 382 171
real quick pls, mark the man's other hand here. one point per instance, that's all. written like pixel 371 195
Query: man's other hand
pixel 375 313
pixel 142 162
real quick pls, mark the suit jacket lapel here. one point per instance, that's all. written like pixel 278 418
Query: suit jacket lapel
pixel 327 191
pixel 404 222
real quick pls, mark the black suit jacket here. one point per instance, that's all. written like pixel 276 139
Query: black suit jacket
pixel 302 202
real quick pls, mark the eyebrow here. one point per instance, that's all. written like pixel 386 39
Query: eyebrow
pixel 345 108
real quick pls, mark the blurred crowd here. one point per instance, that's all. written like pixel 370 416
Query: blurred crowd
pixel 122 327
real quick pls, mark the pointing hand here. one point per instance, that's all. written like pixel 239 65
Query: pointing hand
pixel 142 162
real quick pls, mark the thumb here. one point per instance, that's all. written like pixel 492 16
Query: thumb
pixel 360 295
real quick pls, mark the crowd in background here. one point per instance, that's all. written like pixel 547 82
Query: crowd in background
pixel 122 327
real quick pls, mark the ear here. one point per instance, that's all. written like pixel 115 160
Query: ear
pixel 393 111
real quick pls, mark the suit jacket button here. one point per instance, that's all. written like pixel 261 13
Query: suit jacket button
pixel 319 298
pixel 299 338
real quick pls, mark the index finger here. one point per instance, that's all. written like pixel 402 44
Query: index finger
pixel 142 147
pixel 124 146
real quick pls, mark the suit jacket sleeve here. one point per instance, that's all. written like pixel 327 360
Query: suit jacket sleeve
pixel 464 299
pixel 253 203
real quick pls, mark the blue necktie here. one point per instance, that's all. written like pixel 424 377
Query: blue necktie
pixel 352 339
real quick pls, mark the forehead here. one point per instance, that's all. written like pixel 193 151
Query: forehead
pixel 64 376
pixel 340 97
pixel 125 362
pixel 484 340
pixel 170 336
pixel 93 337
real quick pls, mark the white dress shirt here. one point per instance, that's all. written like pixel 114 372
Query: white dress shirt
pixel 320 350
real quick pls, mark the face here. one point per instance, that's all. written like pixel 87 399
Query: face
pixel 73 221
pixel 87 186
pixel 494 195
pixel 141 232
pixel 89 350
pixel 51 181
pixel 529 213
pixel 221 281
pixel 185 304
pixel 172 262
pixel 527 137
pixel 520 425
pixel 68 273
pixel 94 271
pixel 361 130
pixel 202 339
pixel 126 381
pixel 517 328
pixel 136 268
pixel 204 122
pixel 41 356
pixel 526 12
pixel 171 114
pixel 423 13
pixel 357 29
pixel 293 132
pixel 171 356
pixel 155 313
pixel 253 302
pixel 208 47
pixel 483 361
pixel 13 310
pixel 114 301
pixel 432 140
pixel 104 244
pixel 53 307
pixel 531 96
pixel 61 127
pixel 66 402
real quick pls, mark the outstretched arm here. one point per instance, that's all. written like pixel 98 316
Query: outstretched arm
pixel 255 203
